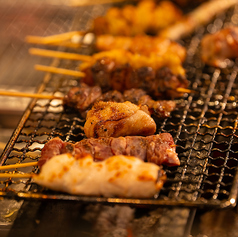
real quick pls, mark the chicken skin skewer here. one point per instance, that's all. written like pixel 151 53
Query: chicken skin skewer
pixel 120 176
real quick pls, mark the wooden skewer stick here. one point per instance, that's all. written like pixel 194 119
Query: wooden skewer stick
pixel 30 95
pixel 53 38
pixel 57 54
pixel 15 175
pixel 14 166
pixel 184 90
pixel 59 70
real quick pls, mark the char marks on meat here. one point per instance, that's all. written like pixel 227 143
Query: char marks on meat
pixel 159 83
pixel 111 119
pixel 83 97
pixel 159 149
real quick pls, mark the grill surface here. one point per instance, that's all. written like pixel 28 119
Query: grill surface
pixel 203 126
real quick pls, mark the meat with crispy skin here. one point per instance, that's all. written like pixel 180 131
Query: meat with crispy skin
pixel 111 119
pixel 218 47
pixel 120 176
pixel 159 149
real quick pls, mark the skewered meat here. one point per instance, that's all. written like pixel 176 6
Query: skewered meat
pixel 201 15
pixel 141 44
pixel 145 18
pixel 111 119
pixel 159 149
pixel 120 176
pixel 218 47
pixel 83 97
pixel 121 70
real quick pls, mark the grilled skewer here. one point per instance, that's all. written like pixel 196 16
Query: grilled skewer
pixel 82 98
pixel 121 70
pixel 141 44
pixel 120 176
pixel 159 149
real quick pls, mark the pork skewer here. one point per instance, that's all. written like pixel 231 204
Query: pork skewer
pixel 159 149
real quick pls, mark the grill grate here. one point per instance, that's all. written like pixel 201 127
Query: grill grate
pixel 203 126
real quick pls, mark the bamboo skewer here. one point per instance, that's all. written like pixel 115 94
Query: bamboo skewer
pixel 30 95
pixel 14 166
pixel 59 70
pixel 53 39
pixel 15 175
pixel 57 54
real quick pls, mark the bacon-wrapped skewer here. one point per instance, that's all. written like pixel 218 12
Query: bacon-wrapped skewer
pixel 218 47
pixel 120 176
pixel 159 149
pixel 82 98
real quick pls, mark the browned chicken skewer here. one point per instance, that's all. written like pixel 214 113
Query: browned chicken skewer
pixel 118 176
pixel 218 47
pixel 111 119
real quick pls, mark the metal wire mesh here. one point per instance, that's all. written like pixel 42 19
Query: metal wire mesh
pixel 203 125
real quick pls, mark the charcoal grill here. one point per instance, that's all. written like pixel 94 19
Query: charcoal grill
pixel 204 127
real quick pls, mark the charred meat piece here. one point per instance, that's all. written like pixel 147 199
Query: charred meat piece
pixel 121 70
pixel 218 47
pixel 145 18
pixel 111 119
pixel 82 99
pixel 120 176
pixel 159 149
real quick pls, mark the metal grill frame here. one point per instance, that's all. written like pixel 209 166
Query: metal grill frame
pixel 172 199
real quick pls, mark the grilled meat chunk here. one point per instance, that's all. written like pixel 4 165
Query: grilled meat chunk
pixel 120 176
pixel 121 70
pixel 111 119
pixel 82 99
pixel 141 44
pixel 145 18
pixel 217 48
pixel 159 149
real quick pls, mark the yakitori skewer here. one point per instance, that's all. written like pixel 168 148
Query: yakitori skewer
pixel 122 70
pixel 182 25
